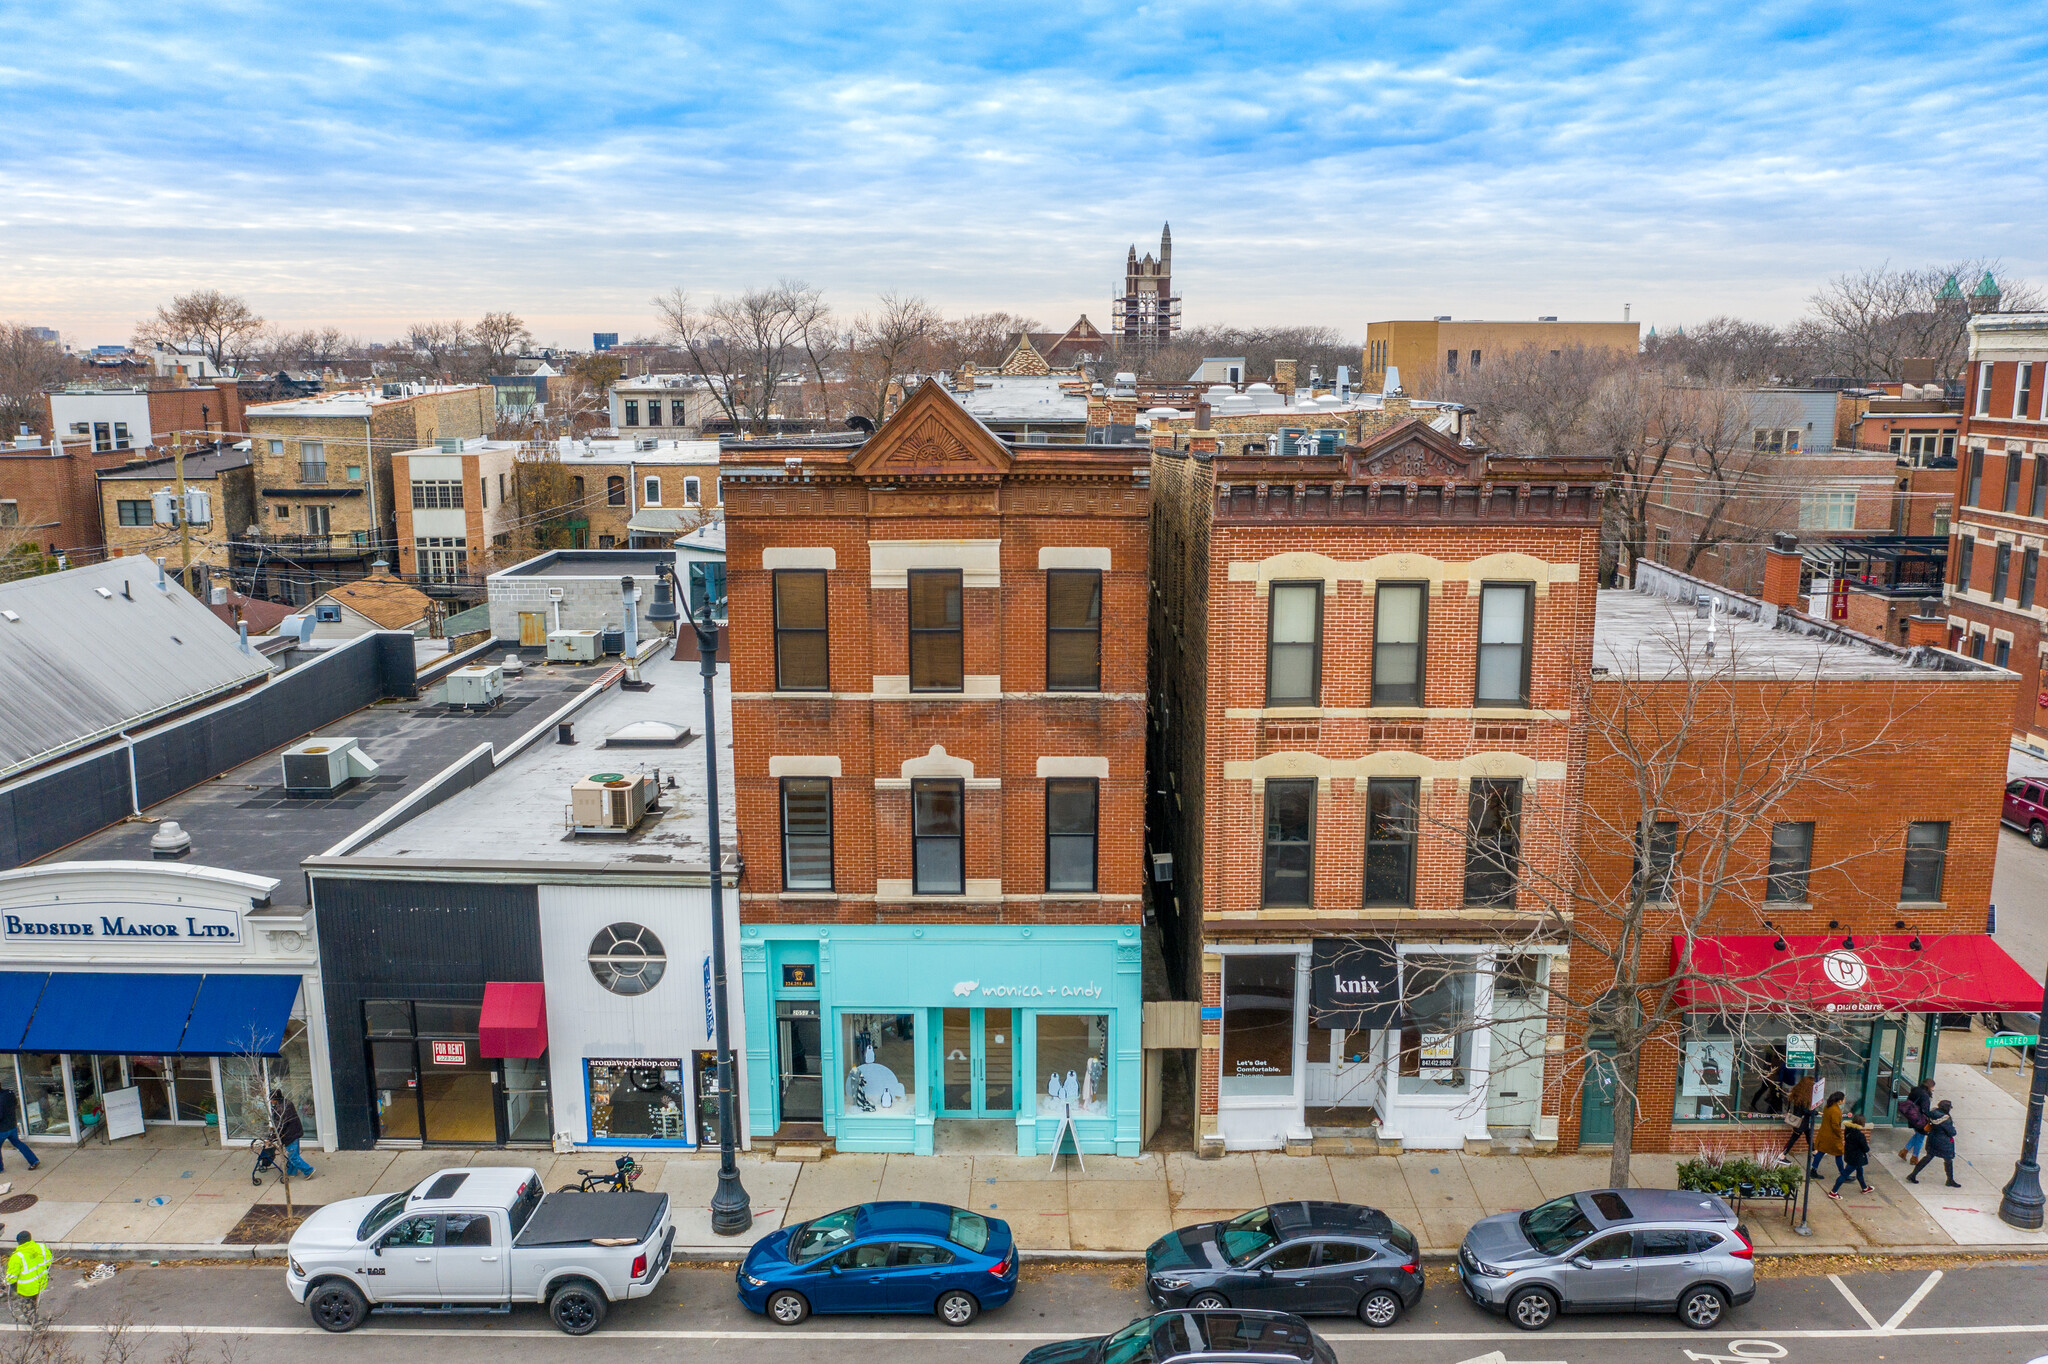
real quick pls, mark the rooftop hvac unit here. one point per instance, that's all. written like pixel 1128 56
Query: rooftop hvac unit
pixel 610 803
pixel 572 646
pixel 476 688
pixel 321 767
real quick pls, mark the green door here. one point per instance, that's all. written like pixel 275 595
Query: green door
pixel 977 1063
pixel 1596 1096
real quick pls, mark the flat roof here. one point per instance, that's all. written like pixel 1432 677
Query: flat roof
pixel 242 820
pixel 518 813
pixel 199 464
pixel 1645 635
pixel 349 402
pixel 591 563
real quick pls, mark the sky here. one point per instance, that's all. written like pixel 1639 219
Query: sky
pixel 367 165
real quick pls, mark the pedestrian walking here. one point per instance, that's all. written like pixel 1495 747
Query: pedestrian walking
pixel 1827 1139
pixel 10 1127
pixel 284 1116
pixel 1770 1095
pixel 1913 1111
pixel 1941 1145
pixel 1801 1116
pixel 1855 1155
pixel 28 1274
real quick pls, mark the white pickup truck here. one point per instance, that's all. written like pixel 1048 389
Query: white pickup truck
pixel 479 1240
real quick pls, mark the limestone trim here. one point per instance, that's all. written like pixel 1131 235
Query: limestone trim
pixel 977 888
pixel 1297 565
pixel 1489 713
pixel 1073 556
pixel 1074 767
pixel 978 686
pixel 1391 762
pixel 804 765
pixel 890 561
pixel 800 556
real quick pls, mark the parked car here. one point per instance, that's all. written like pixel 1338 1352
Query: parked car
pixel 883 1257
pixel 1611 1250
pixel 479 1240
pixel 2026 808
pixel 1187 1337
pixel 1309 1258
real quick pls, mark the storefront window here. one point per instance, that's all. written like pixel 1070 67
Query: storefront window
pixel 636 1100
pixel 1732 1066
pixel 1437 998
pixel 880 1056
pixel 1073 1056
pixel 1258 1026
pixel 246 1082
pixel 43 1110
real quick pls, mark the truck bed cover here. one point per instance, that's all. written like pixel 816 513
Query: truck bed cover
pixel 564 1219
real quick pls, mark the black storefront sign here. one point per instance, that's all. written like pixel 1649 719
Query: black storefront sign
pixel 1354 983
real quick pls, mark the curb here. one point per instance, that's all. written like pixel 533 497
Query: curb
pixel 130 1250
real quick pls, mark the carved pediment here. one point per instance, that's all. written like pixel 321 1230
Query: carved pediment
pixel 1416 451
pixel 932 434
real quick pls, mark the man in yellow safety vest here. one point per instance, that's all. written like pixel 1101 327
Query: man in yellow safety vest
pixel 28 1272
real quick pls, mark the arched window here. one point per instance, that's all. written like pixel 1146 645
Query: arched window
pixel 615 490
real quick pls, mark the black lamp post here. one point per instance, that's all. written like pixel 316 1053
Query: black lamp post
pixel 2021 1206
pixel 731 1214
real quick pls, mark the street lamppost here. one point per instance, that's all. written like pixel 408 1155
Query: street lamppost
pixel 2021 1206
pixel 730 1213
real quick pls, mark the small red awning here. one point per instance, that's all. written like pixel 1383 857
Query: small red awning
pixel 515 1021
pixel 1951 972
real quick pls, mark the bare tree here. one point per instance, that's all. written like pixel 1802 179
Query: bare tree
pixel 28 366
pixel 980 339
pixel 1866 324
pixel 222 326
pixel 1534 401
pixel 434 348
pixel 744 346
pixel 1733 350
pixel 896 341
pixel 498 338
pixel 544 498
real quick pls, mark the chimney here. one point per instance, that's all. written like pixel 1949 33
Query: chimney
pixel 1098 412
pixel 1931 631
pixel 1202 415
pixel 963 382
pixel 1283 376
pixel 1782 564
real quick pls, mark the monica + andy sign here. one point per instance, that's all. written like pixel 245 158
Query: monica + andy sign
pixel 119 924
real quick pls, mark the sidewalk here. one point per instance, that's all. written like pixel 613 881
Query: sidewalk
pixel 173 1200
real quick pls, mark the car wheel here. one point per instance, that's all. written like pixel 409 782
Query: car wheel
pixel 956 1308
pixel 1208 1302
pixel 1532 1309
pixel 2037 834
pixel 787 1308
pixel 576 1307
pixel 337 1306
pixel 1379 1308
pixel 1702 1308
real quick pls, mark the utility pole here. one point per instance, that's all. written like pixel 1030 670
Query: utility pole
pixel 184 519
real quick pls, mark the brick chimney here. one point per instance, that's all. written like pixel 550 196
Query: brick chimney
pixel 963 382
pixel 1929 630
pixel 1123 411
pixel 1098 412
pixel 1782 563
pixel 1283 376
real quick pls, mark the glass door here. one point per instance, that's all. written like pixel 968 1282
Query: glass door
pixel 458 1092
pixel 1884 1077
pixel 800 1081
pixel 397 1090
pixel 977 1062
pixel 526 1099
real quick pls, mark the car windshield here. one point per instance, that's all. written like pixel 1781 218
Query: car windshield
pixel 1132 1345
pixel 1246 1234
pixel 1555 1225
pixel 969 1229
pixel 823 1236
pixel 381 1216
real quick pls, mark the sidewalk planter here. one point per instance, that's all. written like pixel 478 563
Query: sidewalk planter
pixel 876 1033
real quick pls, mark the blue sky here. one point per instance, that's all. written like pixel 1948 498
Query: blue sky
pixel 370 164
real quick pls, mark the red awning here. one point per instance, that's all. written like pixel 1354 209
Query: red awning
pixel 1951 972
pixel 515 1021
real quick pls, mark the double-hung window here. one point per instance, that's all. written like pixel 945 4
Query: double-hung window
pixel 1926 859
pixel 1390 841
pixel 650 492
pixel 807 833
pixel 938 837
pixel 1791 861
pixel 1071 808
pixel 1073 629
pixel 935 630
pixel 632 411
pixel 1294 644
pixel 1966 560
pixel 1400 616
pixel 1975 496
pixel 801 655
pixel 1290 857
pixel 2012 481
pixel 1505 624
pixel 2023 392
pixel 1984 372
pixel 1493 841
pixel 693 491
pixel 1654 865
pixel 615 490
pixel 2001 570
pixel 2030 567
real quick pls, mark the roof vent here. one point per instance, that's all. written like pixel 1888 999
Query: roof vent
pixel 647 734
pixel 169 842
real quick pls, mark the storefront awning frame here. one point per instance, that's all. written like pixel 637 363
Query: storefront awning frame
pixel 1884 973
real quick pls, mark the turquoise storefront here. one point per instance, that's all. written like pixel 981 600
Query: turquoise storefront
pixel 875 1033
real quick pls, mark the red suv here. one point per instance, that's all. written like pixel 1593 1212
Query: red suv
pixel 2026 808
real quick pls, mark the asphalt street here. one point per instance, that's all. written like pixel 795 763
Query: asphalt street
pixel 2019 887
pixel 1982 1314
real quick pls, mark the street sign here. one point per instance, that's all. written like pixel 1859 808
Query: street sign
pixel 2012 1039
pixel 1799 1050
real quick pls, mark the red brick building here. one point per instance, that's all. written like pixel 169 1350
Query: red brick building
pixel 1996 602
pixel 1369 655
pixel 938 679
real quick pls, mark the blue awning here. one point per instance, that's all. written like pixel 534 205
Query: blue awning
pixel 240 1015
pixel 19 991
pixel 112 1012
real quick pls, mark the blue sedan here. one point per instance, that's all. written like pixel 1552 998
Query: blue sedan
pixel 883 1257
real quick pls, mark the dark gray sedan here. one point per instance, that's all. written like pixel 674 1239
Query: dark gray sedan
pixel 1309 1258
pixel 1196 1338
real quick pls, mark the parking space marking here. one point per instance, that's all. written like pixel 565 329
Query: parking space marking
pixel 1927 1284
pixel 1855 1302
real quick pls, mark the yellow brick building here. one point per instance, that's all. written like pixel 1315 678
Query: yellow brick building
pixel 127 518
pixel 1429 353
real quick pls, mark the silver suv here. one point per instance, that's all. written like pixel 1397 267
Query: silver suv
pixel 1611 1250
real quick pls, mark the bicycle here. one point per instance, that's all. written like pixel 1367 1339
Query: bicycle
pixel 624 1171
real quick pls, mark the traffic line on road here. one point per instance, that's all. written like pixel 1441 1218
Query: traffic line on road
pixel 1855 1302
pixel 1927 1284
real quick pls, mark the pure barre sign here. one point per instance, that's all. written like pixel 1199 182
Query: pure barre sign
pixel 85 924
pixel 1354 983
